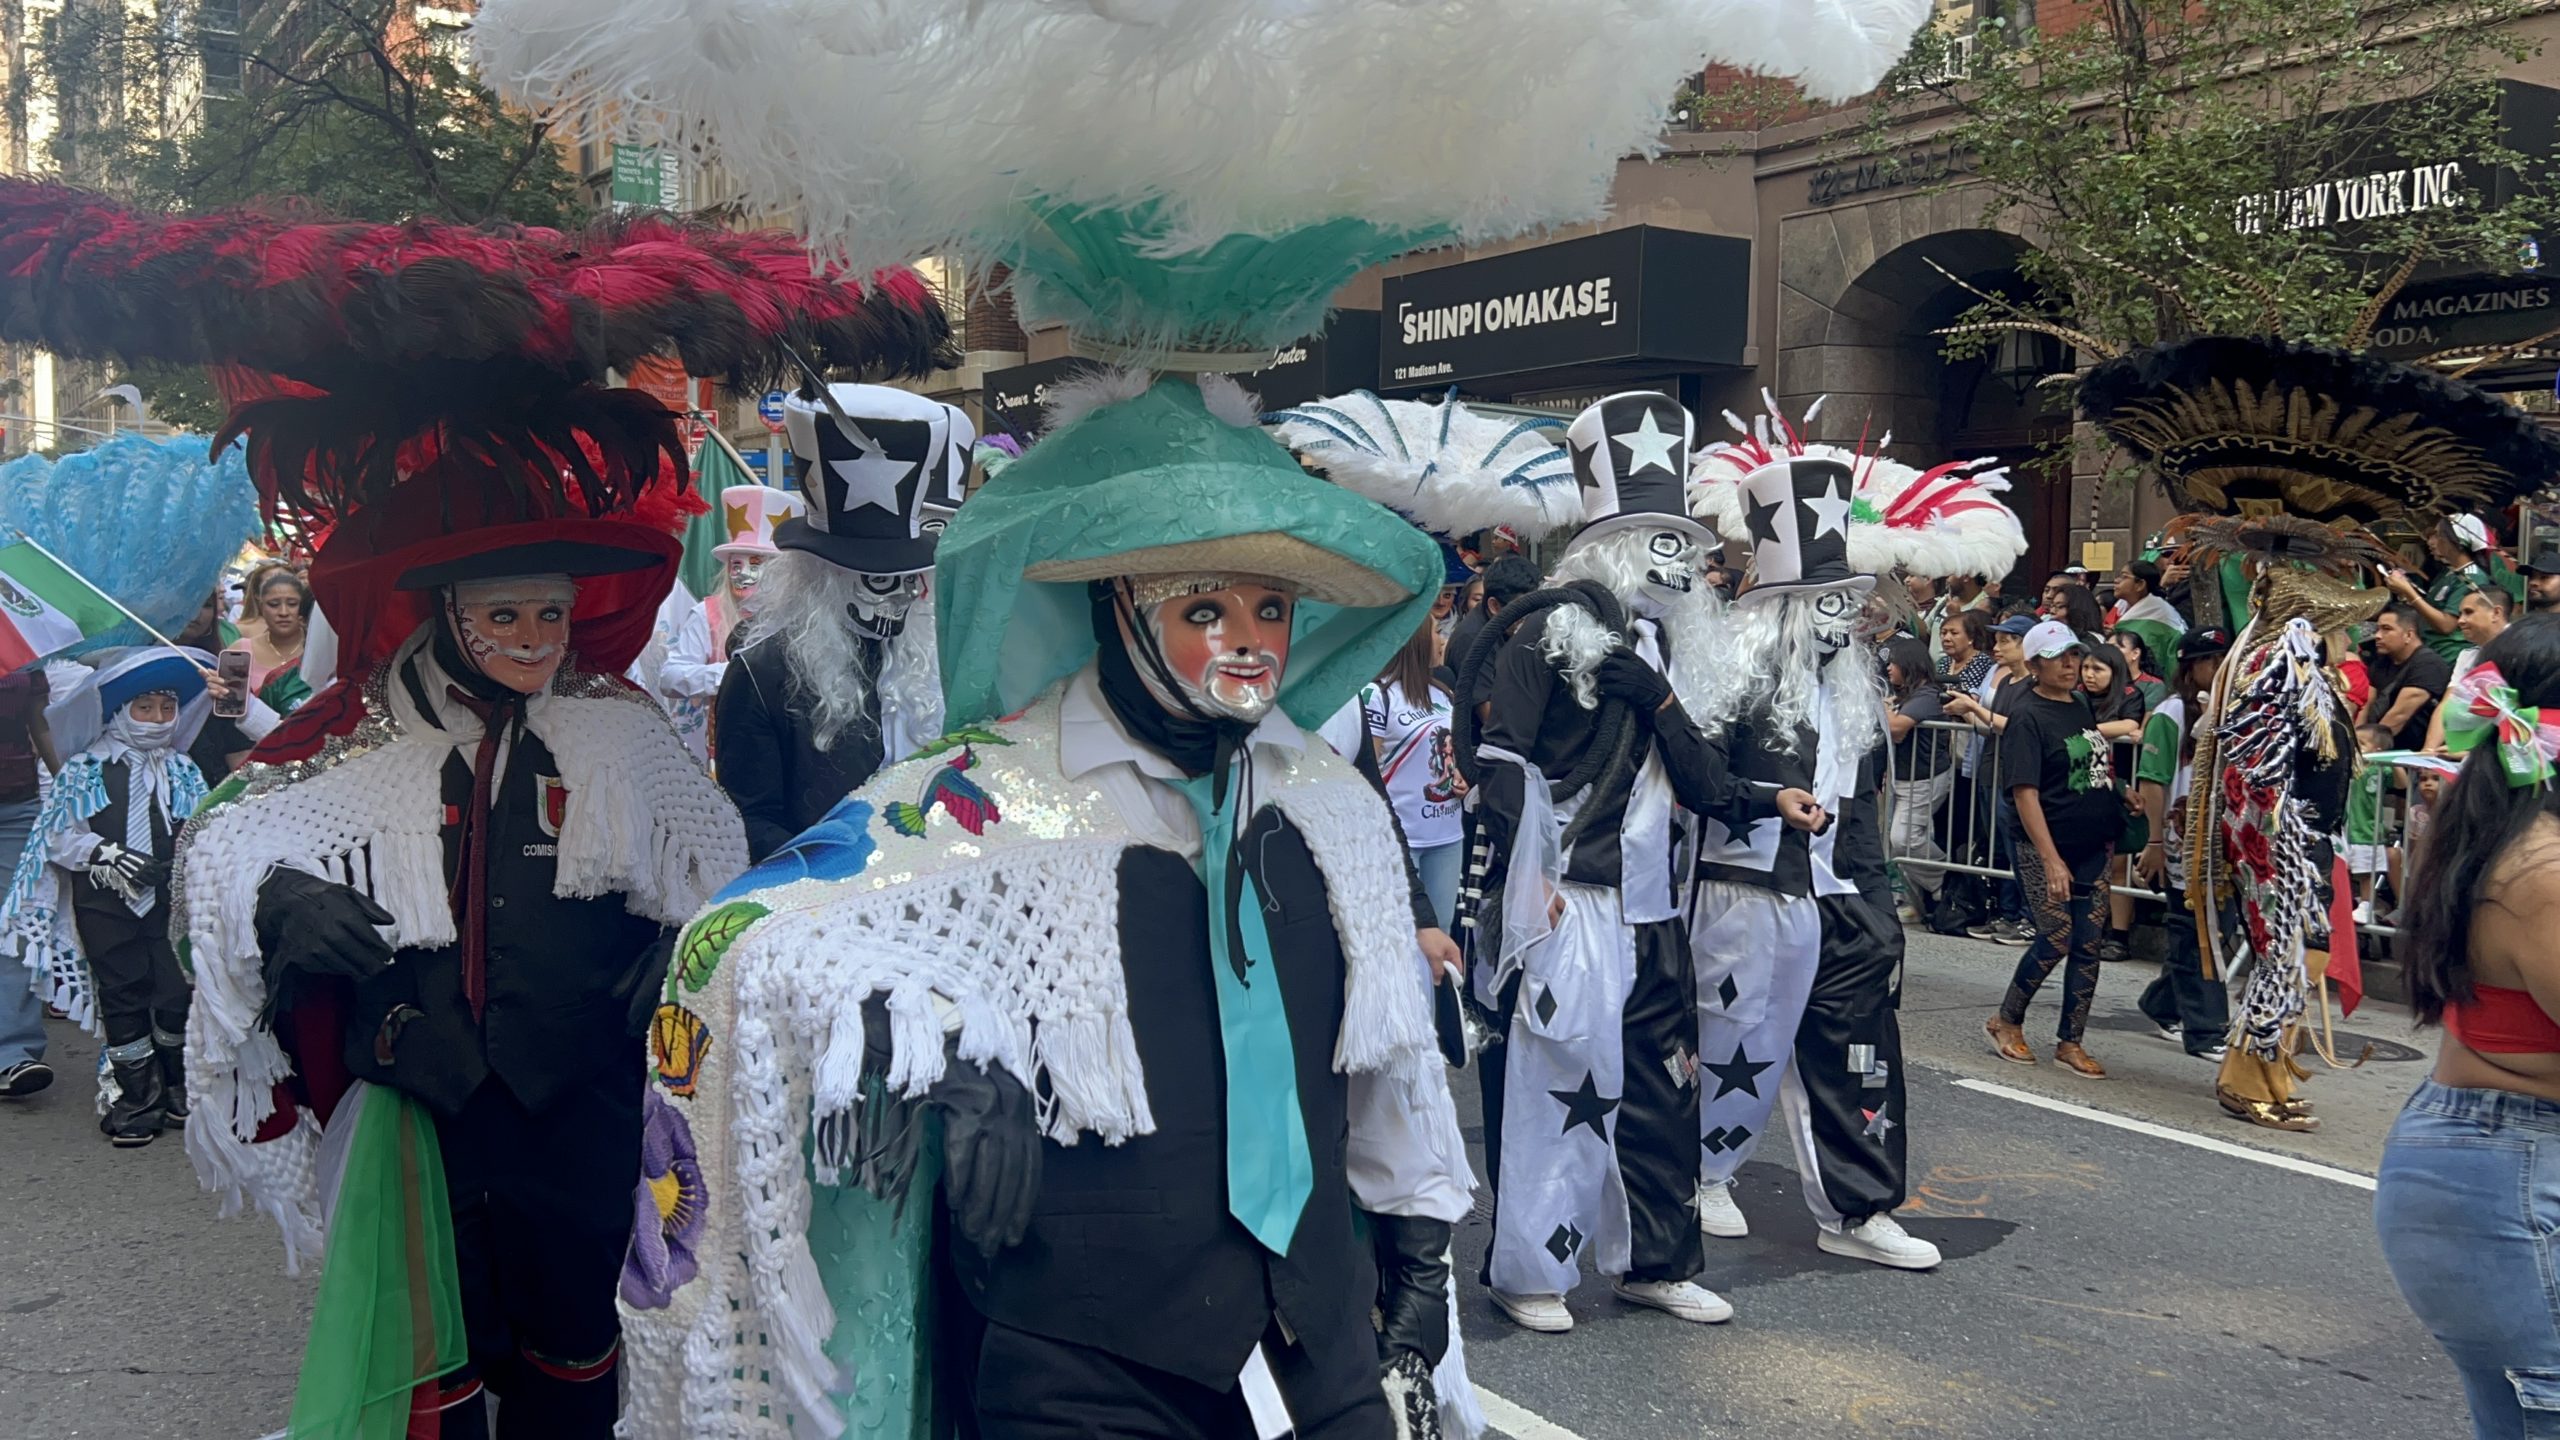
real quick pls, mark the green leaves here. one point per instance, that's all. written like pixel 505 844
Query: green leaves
pixel 706 942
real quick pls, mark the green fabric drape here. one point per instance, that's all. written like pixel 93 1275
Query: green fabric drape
pixel 714 470
pixel 389 1312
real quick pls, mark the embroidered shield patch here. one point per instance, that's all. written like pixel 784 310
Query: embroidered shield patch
pixel 555 804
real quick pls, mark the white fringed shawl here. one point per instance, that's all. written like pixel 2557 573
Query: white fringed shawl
pixel 1016 931
pixel 643 821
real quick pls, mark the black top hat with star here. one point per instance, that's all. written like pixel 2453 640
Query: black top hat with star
pixel 1631 454
pixel 1797 513
pixel 882 468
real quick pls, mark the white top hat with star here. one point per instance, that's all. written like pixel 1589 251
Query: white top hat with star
pixel 1795 512
pixel 1631 454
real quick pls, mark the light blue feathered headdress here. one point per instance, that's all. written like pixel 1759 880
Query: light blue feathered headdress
pixel 150 522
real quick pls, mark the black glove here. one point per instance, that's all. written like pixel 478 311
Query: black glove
pixel 308 926
pixel 1623 675
pixel 1413 1287
pixel 129 871
pixel 646 984
pixel 990 1151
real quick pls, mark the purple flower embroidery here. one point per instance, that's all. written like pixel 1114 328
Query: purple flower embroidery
pixel 668 1208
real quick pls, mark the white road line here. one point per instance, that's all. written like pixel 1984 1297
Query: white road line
pixel 2163 1132
pixel 1518 1423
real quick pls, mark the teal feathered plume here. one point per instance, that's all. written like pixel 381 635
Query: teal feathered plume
pixel 150 522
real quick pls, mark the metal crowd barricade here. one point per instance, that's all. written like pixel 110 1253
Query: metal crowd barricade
pixel 1951 775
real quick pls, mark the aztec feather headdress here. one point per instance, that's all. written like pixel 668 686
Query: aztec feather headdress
pixel 357 354
pixel 1945 520
pixel 1442 466
pixel 2247 422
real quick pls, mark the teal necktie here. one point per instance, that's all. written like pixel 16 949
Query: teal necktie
pixel 1269 1172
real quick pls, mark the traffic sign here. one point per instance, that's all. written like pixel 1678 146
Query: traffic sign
pixel 770 410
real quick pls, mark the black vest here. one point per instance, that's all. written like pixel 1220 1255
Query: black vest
pixel 116 778
pixel 770 762
pixel 1131 1248
pixel 551 1021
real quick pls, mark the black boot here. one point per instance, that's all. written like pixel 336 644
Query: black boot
pixel 172 1055
pixel 134 1116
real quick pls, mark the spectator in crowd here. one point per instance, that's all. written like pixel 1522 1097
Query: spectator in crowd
pixel 2484 616
pixel 2413 679
pixel 1987 709
pixel 1968 592
pixel 1922 771
pixel 2142 665
pixel 2347 658
pixel 283 603
pixel 2061 777
pixel 2542 576
pixel 2141 608
pixel 2119 707
pixel 2056 586
pixel 2188 1007
pixel 1505 580
pixel 25 742
pixel 1964 638
pixel 1725 581
pixel 2367 856
pixel 1929 606
pixel 2465 560
pixel 1403 716
pixel 2076 605
pixel 2469 1191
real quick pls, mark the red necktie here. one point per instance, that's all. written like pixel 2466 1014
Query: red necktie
pixel 496 718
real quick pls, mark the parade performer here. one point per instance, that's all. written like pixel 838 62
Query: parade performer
pixel 2311 445
pixel 1799 948
pixel 1189 214
pixel 88 909
pixel 698 652
pixel 1593 1090
pixel 840 676
pixel 426 919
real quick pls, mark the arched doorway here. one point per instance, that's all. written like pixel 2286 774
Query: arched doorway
pixel 1859 308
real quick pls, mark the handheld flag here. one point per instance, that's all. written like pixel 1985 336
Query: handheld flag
pixel 45 607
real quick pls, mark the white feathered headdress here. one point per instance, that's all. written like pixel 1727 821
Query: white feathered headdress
pixel 1444 467
pixel 1946 520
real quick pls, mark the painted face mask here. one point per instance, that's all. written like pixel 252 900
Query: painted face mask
pixel 1224 640
pixel 1835 618
pixel 743 570
pixel 880 603
pixel 515 630
pixel 1671 570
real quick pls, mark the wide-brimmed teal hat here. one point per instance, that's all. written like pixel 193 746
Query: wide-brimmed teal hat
pixel 1159 485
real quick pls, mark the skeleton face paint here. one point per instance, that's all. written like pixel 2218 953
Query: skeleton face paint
pixel 742 573
pixel 516 631
pixel 1835 618
pixel 880 604
pixel 1671 568
pixel 1226 642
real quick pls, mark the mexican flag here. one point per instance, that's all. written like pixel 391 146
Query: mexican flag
pixel 45 607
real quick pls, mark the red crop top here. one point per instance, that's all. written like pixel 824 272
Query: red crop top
pixel 2503 1022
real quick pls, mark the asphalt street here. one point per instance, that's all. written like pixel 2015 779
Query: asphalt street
pixel 2100 1281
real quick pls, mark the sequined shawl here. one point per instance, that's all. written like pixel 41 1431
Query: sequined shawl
pixel 977 890
pixel 366 809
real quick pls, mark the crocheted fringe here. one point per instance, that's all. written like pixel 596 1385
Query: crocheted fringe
pixel 643 819
pixel 1385 1015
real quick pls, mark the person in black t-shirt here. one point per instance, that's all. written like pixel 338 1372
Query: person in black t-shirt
pixel 2412 681
pixel 2061 777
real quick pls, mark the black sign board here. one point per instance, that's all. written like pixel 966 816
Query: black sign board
pixel 2382 180
pixel 2475 312
pixel 1642 295
pixel 1342 358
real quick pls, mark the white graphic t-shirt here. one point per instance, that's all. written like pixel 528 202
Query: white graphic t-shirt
pixel 1417 760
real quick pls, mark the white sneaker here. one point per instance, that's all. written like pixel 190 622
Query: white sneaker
pixel 1880 1239
pixel 1683 1299
pixel 2364 912
pixel 1718 1215
pixel 1543 1313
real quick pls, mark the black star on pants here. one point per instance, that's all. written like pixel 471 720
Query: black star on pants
pixel 1584 1105
pixel 1739 1073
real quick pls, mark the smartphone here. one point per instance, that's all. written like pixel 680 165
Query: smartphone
pixel 233 667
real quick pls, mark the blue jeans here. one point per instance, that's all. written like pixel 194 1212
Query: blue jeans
pixel 1439 866
pixel 2467 1209
pixel 21 1011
